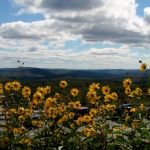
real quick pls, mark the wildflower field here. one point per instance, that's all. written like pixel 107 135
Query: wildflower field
pixel 46 121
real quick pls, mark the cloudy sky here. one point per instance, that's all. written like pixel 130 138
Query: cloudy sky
pixel 75 34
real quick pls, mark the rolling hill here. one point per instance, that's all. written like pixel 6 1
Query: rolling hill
pixel 40 73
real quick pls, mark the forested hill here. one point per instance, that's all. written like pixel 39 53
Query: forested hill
pixel 40 73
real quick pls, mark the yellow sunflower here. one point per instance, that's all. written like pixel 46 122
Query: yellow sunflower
pixel 138 91
pixel 20 110
pixel 21 129
pixel 94 87
pixel 48 89
pixel 143 67
pixel 5 142
pixel 92 95
pixel 16 85
pixel 1 91
pixel 38 97
pixel 70 104
pixel 8 86
pixel 15 130
pixel 142 107
pixel 105 90
pixel 127 83
pixel 107 98
pixel 63 83
pixel 76 105
pixel 148 91
pixel 33 104
pixel 74 92
pixel 93 111
pixel 114 96
pixel 42 90
pixel 1 85
pixel 57 95
pixel 127 118
pixel 128 91
pixel 26 91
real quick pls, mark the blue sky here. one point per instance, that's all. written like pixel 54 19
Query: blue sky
pixel 98 34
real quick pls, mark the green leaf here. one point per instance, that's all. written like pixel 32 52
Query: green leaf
pixel 72 133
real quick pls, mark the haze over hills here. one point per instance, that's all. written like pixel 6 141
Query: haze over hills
pixel 40 73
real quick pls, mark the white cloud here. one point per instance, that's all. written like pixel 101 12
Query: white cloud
pixel 147 14
pixel 42 56
pixel 146 55
pixel 91 21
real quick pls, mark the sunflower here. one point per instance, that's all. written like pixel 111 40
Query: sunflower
pixel 71 115
pixel 74 92
pixel 15 130
pixel 1 91
pixel 46 107
pixel 64 118
pixel 113 107
pixel 12 111
pixel 105 90
pixel 90 132
pixel 143 67
pixel 79 121
pixel 21 110
pixel 63 83
pixel 114 96
pixel 128 91
pixel 108 107
pixel 33 104
pixel 34 122
pixel 107 98
pixel 51 101
pixel 127 83
pixel 94 87
pixel 138 91
pixel 93 112
pixel 28 141
pixel 76 105
pixel 91 123
pixel 26 91
pixel 42 90
pixel 62 107
pixel 148 91
pixel 133 110
pixel 92 96
pixel 38 97
pixel 40 124
pixel 16 86
pixel 57 95
pixel 8 86
pixel 124 126
pixel 142 107
pixel 48 89
pixel 1 85
pixel 59 122
pixel 21 129
pixel 70 104
pixel 5 142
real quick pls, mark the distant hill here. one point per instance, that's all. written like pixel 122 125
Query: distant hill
pixel 39 73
